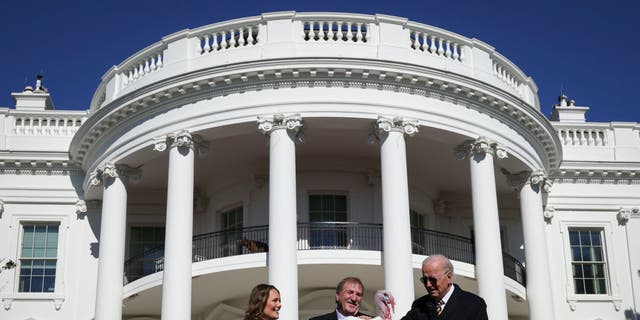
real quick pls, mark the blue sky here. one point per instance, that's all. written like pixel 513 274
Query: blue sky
pixel 587 48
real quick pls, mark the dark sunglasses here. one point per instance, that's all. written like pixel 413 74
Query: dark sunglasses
pixel 424 279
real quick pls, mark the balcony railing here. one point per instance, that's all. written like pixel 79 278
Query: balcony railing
pixel 305 34
pixel 318 236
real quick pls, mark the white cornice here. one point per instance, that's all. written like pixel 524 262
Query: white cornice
pixel 377 75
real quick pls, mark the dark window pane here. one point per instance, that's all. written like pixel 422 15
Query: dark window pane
pixel 328 203
pixel 599 270
pixel 597 254
pixel 136 234
pixel 25 284
pixel 595 238
pixel 588 287
pixel 341 203
pixel 585 238
pixel 602 286
pixel 49 284
pixel 577 271
pixel 314 203
pixel 579 286
pixel 586 254
pixel 575 253
pixel 588 271
pixel 36 284
pixel 574 238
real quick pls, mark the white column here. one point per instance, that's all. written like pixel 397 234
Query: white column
pixel 282 259
pixel 535 245
pixel 176 288
pixel 488 249
pixel 112 242
pixel 398 270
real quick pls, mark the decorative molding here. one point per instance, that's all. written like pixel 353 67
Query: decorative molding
pixel 624 214
pixel 6 302
pixel 81 208
pixel 110 170
pixel 548 214
pixel 478 146
pixel 405 125
pixel 617 304
pixel 522 178
pixel 415 81
pixel 57 303
pixel 572 305
pixel 267 124
pixel 39 168
pixel 599 176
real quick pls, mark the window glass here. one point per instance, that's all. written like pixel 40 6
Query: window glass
pixel 589 265
pixel 323 210
pixel 38 257
pixel 145 243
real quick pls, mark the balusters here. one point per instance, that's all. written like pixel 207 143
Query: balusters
pixel 349 32
pixel 241 41
pixel 455 52
pixel 359 32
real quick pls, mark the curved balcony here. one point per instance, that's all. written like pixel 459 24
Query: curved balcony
pixel 318 236
pixel 293 35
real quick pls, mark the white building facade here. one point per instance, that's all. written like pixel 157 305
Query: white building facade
pixel 300 148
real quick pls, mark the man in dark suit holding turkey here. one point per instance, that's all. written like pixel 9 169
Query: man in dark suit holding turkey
pixel 445 300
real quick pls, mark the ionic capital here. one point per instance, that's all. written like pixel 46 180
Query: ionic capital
pixel 110 170
pixel 536 178
pixel 181 139
pixel 279 121
pixel 397 124
pixel 478 146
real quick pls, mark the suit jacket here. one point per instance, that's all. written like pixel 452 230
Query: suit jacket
pixel 331 316
pixel 462 305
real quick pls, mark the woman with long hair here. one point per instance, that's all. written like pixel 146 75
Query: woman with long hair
pixel 264 303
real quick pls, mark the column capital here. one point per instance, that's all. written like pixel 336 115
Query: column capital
pixel 111 170
pixel 481 145
pixel 407 126
pixel 266 124
pixel 523 178
pixel 181 139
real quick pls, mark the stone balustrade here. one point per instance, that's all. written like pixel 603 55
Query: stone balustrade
pixel 592 137
pixel 614 141
pixel 290 35
pixel 38 125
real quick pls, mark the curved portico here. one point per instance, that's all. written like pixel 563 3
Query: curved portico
pixel 378 121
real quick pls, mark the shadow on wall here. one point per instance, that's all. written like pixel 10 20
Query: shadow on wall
pixel 629 314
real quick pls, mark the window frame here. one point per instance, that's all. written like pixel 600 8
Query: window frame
pixel 608 241
pixel 21 259
pixel 16 233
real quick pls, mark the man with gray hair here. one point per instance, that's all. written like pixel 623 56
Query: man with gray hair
pixel 444 299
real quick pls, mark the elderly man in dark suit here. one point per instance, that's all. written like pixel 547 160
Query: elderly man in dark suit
pixel 348 299
pixel 445 300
